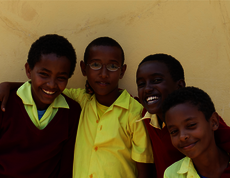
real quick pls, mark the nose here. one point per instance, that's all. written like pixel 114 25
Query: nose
pixel 104 71
pixel 148 88
pixel 51 83
pixel 183 136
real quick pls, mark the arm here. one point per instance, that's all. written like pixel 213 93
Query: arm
pixel 5 88
pixel 146 170
pixel 67 159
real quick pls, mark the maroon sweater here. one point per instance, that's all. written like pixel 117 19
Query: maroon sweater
pixel 27 152
pixel 166 154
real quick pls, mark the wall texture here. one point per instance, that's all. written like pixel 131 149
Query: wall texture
pixel 197 33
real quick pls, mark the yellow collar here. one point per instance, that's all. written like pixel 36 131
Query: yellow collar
pixel 153 120
pixel 24 92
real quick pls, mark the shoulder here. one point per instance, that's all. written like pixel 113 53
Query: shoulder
pixel 72 103
pixel 172 170
pixel 132 102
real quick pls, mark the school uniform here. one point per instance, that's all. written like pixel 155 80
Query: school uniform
pixel 185 169
pixel 164 152
pixel 29 149
pixel 108 144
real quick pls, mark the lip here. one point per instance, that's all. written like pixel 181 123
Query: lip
pixel 102 83
pixel 188 146
pixel 152 99
pixel 48 92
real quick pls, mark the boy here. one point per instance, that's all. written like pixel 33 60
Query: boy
pixel 109 143
pixel 157 76
pixel 191 120
pixel 38 129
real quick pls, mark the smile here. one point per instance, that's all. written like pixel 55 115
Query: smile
pixel 152 99
pixel 189 146
pixel 48 92
pixel 103 83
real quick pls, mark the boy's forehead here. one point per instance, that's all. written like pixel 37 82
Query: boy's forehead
pixel 105 52
pixel 153 68
pixel 184 112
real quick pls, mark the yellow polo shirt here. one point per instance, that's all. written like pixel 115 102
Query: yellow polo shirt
pixel 24 92
pixel 181 169
pixel 107 147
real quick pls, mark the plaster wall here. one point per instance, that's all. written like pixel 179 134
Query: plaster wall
pixel 197 33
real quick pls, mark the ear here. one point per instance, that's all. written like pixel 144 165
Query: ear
pixel 214 121
pixel 28 70
pixel 83 68
pixel 181 84
pixel 123 69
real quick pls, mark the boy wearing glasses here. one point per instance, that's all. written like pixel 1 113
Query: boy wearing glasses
pixel 109 143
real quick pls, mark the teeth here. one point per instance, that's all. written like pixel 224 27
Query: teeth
pixel 152 98
pixel 48 92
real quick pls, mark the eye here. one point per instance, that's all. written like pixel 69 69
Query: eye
pixel 173 132
pixel 95 65
pixel 43 74
pixel 62 78
pixel 192 125
pixel 157 80
pixel 140 84
pixel 112 67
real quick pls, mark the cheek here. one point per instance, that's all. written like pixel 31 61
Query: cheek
pixel 174 141
pixel 62 85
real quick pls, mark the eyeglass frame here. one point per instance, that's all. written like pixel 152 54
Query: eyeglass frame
pixel 105 67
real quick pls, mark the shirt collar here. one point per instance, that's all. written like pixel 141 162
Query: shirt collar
pixel 122 101
pixel 153 120
pixel 24 92
pixel 187 167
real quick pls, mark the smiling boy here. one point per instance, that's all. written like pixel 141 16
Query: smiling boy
pixel 110 143
pixel 191 120
pixel 38 129
pixel 157 76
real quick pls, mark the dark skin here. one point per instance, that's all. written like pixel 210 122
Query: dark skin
pixel 193 136
pixel 104 84
pixel 154 80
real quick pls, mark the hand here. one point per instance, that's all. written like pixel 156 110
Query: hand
pixel 4 94
pixel 87 88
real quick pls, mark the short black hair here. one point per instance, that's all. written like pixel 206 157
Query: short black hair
pixel 52 43
pixel 175 68
pixel 103 41
pixel 192 95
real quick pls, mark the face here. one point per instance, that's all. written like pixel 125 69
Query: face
pixel 104 82
pixel 49 78
pixel 154 83
pixel 190 132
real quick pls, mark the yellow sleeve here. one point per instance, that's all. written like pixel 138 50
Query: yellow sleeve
pixel 141 144
pixel 78 95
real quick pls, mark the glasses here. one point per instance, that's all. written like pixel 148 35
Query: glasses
pixel 98 66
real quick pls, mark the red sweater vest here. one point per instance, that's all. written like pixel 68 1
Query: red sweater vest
pixel 27 152
pixel 166 154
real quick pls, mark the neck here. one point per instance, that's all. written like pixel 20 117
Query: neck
pixel 212 163
pixel 108 100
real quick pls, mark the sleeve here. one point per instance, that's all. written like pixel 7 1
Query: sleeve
pixel 141 144
pixel 165 174
pixel 78 95
pixel 222 135
pixel 66 168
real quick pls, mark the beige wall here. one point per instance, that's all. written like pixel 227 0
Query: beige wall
pixel 197 33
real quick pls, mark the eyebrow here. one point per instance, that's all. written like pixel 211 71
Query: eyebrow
pixel 152 75
pixel 99 60
pixel 186 120
pixel 62 73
